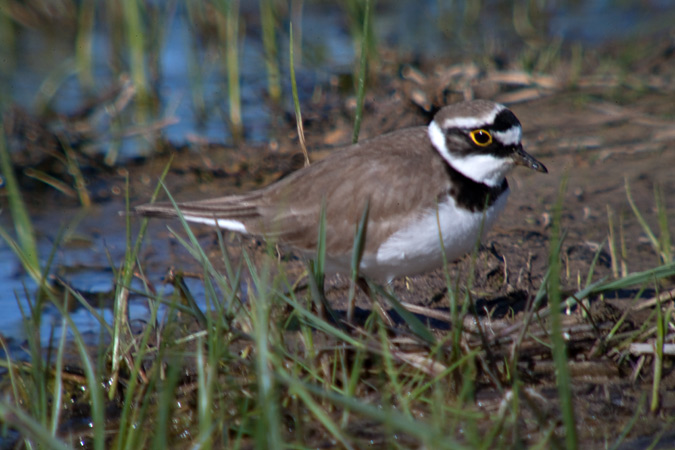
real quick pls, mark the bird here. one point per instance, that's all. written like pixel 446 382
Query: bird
pixel 430 194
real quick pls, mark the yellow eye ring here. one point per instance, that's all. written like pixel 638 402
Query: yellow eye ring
pixel 481 138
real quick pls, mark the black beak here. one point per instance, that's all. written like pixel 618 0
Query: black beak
pixel 522 158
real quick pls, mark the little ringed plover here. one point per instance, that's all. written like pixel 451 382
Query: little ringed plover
pixel 444 182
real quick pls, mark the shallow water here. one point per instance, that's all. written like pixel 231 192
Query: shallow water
pixel 420 32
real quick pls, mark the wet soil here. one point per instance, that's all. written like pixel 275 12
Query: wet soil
pixel 600 137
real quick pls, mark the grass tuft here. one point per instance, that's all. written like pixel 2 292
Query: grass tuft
pixel 559 347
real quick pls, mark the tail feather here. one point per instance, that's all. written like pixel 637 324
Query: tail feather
pixel 227 212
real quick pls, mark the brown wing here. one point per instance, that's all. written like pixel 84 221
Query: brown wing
pixel 400 173
pixel 236 207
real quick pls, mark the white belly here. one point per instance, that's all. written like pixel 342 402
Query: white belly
pixel 416 249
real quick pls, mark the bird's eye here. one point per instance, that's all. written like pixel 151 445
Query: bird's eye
pixel 481 138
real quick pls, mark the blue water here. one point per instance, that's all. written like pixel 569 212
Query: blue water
pixel 426 29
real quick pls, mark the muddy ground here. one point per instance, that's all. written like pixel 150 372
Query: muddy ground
pixel 597 132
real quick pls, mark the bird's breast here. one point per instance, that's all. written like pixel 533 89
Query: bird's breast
pixel 416 247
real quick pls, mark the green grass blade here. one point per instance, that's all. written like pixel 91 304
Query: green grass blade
pixel 316 289
pixel 594 262
pixel 29 427
pixel 637 278
pixel 268 430
pixel 165 404
pixel 268 24
pixel 57 392
pixel 296 100
pixel 24 257
pixel 135 35
pixel 613 249
pixel 321 325
pixel 357 254
pixel 83 44
pixel 179 283
pixel 232 61
pixel 645 226
pixel 22 223
pixel 416 326
pixel 363 72
pixel 359 241
pixel 664 229
pixel 320 261
pixel 564 380
pixel 204 394
pixel 661 328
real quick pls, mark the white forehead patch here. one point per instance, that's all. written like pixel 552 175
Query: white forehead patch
pixel 438 140
pixel 511 136
pixel 473 122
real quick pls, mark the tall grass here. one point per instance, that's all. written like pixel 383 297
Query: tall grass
pixel 8 37
pixel 121 336
pixel 26 246
pixel 135 38
pixel 269 27
pixel 366 42
pixel 559 349
pixel 296 99
pixel 228 30
pixel 83 46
